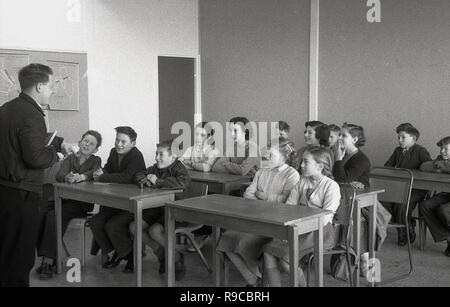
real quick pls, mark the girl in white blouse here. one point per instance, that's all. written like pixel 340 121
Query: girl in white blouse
pixel 315 189
pixel 202 156
pixel 272 184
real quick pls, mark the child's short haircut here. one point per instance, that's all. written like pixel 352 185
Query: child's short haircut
pixel 243 121
pixel 284 126
pixel 314 124
pixel 408 128
pixel 444 142
pixel 96 135
pixel 334 128
pixel 128 131
pixel 167 145
pixel 356 131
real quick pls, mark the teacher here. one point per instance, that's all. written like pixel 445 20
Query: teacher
pixel 24 155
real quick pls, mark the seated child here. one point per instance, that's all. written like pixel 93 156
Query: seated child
pixel 315 189
pixel 436 211
pixel 167 173
pixel 352 166
pixel 335 133
pixel 283 129
pixel 273 184
pixel 408 155
pixel 246 159
pixel 110 226
pixel 202 156
pixel 77 167
pixel 316 134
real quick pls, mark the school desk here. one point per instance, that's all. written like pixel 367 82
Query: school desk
pixel 366 198
pixel 219 183
pixel 120 196
pixel 253 216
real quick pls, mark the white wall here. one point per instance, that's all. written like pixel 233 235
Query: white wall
pixel 122 39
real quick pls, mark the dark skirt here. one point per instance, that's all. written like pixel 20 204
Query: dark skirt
pixel 248 246
pixel 280 248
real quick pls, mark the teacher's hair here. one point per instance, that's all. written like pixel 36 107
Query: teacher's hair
pixel 33 74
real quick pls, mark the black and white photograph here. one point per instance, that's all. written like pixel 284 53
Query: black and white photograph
pixel 224 148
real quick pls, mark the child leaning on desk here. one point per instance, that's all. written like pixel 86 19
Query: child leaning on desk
pixel 77 167
pixel 436 211
pixel 167 173
pixel 202 156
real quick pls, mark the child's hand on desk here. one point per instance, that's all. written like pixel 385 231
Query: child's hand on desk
pixel 69 178
pixel 152 178
pixel 97 174
pixel 261 195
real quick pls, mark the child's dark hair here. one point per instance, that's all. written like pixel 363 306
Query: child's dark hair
pixel 33 74
pixel 356 131
pixel 127 131
pixel 287 149
pixel 242 121
pixel 322 132
pixel 322 155
pixel 205 125
pixel 444 142
pixel 334 128
pixel 166 144
pixel 284 126
pixel 96 135
pixel 314 124
pixel 408 128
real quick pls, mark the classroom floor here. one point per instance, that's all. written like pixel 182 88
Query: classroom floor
pixel 432 268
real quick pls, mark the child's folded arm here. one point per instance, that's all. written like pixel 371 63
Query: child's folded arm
pixel 64 170
pixel 428 166
pixel 95 166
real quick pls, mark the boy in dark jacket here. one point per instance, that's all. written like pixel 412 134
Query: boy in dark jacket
pixel 167 173
pixel 108 226
pixel 75 168
pixel 436 211
pixel 408 155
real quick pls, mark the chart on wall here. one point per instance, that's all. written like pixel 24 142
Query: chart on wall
pixel 67 86
pixel 10 64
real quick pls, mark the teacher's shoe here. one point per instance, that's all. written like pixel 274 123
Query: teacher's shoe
pixel 447 251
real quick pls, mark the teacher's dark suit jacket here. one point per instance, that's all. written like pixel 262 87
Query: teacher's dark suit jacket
pixel 23 139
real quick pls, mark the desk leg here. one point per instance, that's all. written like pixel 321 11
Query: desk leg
pixel 216 260
pixel 170 247
pixel 293 255
pixel 138 243
pixel 356 241
pixel 58 232
pixel 318 253
pixel 372 233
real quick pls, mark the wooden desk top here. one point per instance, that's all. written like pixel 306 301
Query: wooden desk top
pixel 252 210
pixel 121 191
pixel 369 191
pixel 217 177
pixel 429 176
pixel 420 175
